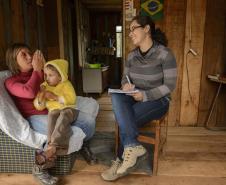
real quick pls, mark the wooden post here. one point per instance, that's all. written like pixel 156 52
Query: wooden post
pixel 194 38
pixel 60 28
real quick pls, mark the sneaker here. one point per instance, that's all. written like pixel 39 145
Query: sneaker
pixel 43 176
pixel 110 174
pixel 132 156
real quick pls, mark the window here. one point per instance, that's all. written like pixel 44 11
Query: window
pixel 118 41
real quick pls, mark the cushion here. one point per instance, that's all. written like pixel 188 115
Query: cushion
pixel 12 122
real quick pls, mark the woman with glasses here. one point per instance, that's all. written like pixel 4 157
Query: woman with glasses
pixel 151 69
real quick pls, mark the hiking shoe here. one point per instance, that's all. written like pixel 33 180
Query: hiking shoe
pixel 110 174
pixel 132 156
pixel 43 176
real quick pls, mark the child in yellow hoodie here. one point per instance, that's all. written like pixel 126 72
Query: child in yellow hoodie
pixel 58 96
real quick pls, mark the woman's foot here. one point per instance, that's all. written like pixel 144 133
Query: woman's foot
pixel 132 156
pixel 110 174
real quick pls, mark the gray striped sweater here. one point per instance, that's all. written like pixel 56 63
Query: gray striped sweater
pixel 154 74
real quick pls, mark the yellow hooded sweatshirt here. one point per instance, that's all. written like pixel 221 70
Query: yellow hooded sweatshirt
pixel 64 90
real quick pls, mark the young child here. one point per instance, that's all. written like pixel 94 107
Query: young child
pixel 58 96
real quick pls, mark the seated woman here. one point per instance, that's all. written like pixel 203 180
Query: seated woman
pixel 24 85
pixel 151 69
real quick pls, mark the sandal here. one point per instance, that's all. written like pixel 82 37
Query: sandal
pixel 42 160
pixel 43 176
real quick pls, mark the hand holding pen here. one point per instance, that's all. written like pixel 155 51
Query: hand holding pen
pixel 128 86
pixel 138 96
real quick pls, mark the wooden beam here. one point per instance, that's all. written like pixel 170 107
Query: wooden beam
pixel 123 34
pixel 104 7
pixel 7 20
pixel 26 22
pixel 194 38
pixel 103 2
pixel 174 23
pixel 78 27
pixel 17 21
pixel 60 28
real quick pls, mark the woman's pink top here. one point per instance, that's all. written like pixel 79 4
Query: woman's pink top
pixel 23 88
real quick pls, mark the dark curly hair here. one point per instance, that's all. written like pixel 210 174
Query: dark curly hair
pixel 156 34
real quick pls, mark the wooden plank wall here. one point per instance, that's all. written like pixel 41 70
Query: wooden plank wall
pixel 19 23
pixel 207 20
pixel 173 26
pixel 16 14
pixel 2 38
pixel 185 23
pixel 214 61
pixel 195 25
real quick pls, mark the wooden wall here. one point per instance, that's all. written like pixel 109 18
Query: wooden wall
pixel 185 22
pixel 214 61
pixel 30 23
pixel 200 25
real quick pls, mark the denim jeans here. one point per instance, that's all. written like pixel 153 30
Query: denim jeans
pixel 84 121
pixel 131 114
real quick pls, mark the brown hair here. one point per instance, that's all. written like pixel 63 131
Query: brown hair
pixel 156 34
pixel 11 54
pixel 53 68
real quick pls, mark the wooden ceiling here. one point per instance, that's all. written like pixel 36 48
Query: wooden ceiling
pixel 103 5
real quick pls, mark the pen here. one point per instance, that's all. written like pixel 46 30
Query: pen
pixel 128 79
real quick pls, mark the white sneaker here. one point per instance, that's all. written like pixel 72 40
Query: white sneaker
pixel 110 174
pixel 131 157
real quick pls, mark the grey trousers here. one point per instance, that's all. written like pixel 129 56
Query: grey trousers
pixel 59 128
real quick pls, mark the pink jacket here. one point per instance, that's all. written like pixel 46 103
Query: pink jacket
pixel 23 88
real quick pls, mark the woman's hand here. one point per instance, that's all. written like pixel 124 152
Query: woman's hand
pixel 137 96
pixel 38 61
pixel 128 87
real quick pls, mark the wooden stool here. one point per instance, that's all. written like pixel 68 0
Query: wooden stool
pixel 159 130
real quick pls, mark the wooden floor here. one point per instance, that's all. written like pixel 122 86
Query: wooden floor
pixel 105 118
pixel 85 178
pixel 194 151
pixel 192 156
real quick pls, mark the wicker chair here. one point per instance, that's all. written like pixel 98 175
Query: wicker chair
pixel 18 158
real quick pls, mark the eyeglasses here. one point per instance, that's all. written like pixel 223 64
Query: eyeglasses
pixel 135 27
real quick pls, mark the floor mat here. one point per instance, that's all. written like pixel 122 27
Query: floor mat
pixel 103 146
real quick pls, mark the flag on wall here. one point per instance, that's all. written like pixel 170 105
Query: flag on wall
pixel 153 8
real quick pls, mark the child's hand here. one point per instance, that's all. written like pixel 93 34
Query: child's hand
pixel 40 102
pixel 41 97
pixel 42 88
pixel 50 96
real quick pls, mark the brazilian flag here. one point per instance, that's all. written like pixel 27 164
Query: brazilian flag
pixel 153 8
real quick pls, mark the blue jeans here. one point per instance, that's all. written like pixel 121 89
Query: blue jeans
pixel 84 121
pixel 131 114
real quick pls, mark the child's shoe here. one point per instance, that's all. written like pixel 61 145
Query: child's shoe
pixel 43 176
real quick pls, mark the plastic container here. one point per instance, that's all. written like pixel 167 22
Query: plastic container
pixel 95 66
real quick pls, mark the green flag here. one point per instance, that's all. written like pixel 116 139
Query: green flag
pixel 153 8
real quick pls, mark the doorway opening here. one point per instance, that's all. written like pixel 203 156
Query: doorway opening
pixel 99 40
